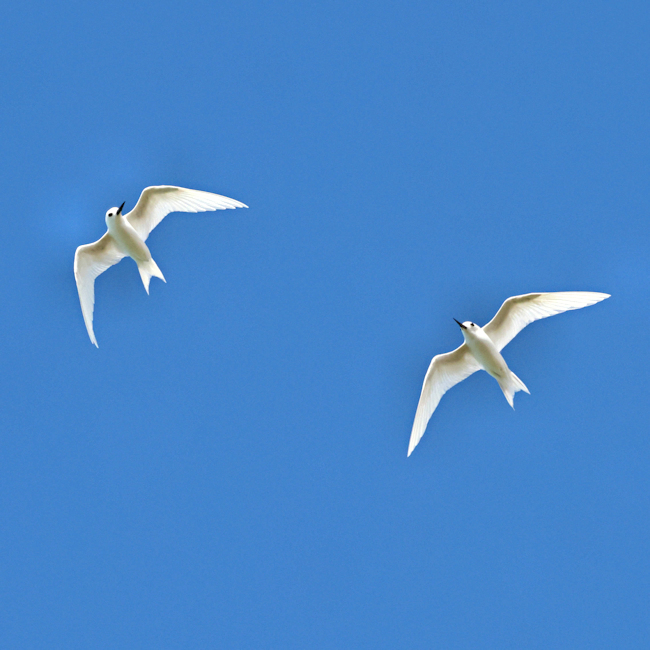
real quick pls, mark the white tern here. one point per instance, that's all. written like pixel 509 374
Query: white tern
pixel 128 232
pixel 482 349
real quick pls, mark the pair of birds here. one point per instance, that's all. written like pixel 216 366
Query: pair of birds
pixel 127 234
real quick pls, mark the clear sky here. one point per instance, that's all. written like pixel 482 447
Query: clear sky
pixel 228 469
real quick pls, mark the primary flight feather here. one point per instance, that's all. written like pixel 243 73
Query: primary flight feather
pixel 126 236
pixel 482 349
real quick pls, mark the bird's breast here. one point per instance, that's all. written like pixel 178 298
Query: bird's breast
pixel 128 240
pixel 487 355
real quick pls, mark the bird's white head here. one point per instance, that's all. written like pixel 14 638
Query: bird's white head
pixel 468 328
pixel 113 212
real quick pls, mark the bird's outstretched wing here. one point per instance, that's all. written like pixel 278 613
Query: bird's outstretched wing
pixel 90 261
pixel 519 311
pixel 445 371
pixel 156 202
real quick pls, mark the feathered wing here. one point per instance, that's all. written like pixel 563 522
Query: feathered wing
pixel 156 202
pixel 519 311
pixel 445 371
pixel 90 261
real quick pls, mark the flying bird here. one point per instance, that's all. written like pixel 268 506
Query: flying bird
pixel 127 234
pixel 482 349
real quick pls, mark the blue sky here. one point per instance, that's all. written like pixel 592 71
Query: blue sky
pixel 229 468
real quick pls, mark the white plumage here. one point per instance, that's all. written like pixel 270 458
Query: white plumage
pixel 126 236
pixel 482 349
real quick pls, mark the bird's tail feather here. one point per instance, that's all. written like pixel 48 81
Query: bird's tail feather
pixel 510 385
pixel 147 271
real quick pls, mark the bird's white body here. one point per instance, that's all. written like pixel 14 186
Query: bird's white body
pixel 129 242
pixel 126 237
pixel 491 360
pixel 482 349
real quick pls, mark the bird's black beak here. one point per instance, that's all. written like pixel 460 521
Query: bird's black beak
pixel 462 326
pixel 120 208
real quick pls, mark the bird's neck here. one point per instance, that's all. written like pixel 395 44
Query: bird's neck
pixel 115 223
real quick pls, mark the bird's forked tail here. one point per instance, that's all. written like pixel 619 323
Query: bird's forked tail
pixel 147 271
pixel 510 385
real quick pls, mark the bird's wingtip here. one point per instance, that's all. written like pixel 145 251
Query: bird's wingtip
pixel 413 443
